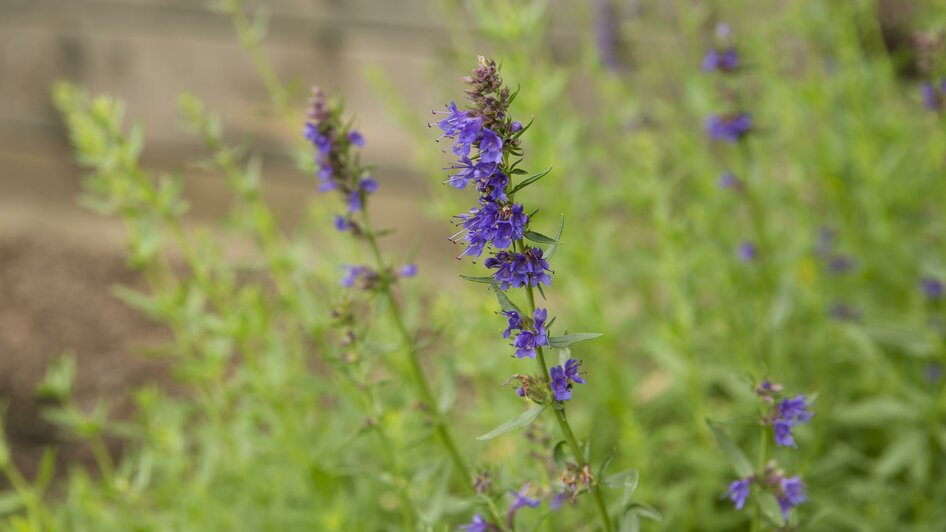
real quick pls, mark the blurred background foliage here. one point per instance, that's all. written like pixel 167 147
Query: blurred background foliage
pixel 274 421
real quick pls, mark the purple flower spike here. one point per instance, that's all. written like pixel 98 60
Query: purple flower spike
pixel 738 492
pixel 731 128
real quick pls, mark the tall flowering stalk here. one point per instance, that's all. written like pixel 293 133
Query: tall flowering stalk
pixel 339 168
pixel 486 141
pixel 782 414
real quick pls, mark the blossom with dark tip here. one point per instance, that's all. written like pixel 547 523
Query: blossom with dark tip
pixel 731 128
pixel 738 492
pixel 515 126
pixel 515 322
pixel 932 288
pixel 572 370
pixel 477 525
pixel 790 492
pixel 724 60
pixel 747 251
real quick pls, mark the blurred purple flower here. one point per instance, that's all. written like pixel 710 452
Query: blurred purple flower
pixel 747 251
pixel 731 128
pixel 738 492
pixel 932 288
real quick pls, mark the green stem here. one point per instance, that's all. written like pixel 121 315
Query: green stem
pixel 565 427
pixel 763 444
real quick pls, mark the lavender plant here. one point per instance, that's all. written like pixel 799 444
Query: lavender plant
pixel 487 141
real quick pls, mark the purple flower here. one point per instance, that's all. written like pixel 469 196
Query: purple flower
pixel 795 410
pixel 731 128
pixel 477 525
pixel 783 433
pixel 934 95
pixel 519 269
pixel 559 383
pixel 790 493
pixel 356 138
pixel 522 500
pixel 515 127
pixel 739 491
pixel 558 500
pixel 354 272
pixel 607 26
pixel 408 270
pixel 491 147
pixel 354 201
pixel 529 339
pixel 725 60
pixel 342 223
pixel 572 368
pixel 368 184
pixel 747 251
pixel 492 223
pixel 932 288
pixel 451 123
pixel 729 181
pixel 788 414
pixel 515 322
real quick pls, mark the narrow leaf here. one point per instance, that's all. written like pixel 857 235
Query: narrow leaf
pixel 504 302
pixel 569 339
pixel 529 180
pixel 558 237
pixel 487 279
pixel 540 238
pixel 740 463
pixel 522 420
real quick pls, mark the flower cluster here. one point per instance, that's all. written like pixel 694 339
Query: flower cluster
pixel 788 491
pixel 484 136
pixel 786 413
pixel 723 57
pixel 338 164
pixel 531 335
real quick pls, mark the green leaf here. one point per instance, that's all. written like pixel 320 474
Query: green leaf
pixel 10 502
pixel 740 462
pixel 771 509
pixel 540 238
pixel 522 420
pixel 627 478
pixel 559 454
pixel 559 342
pixel 487 279
pixel 504 302
pixel 631 520
pixel 529 180
pixel 558 237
